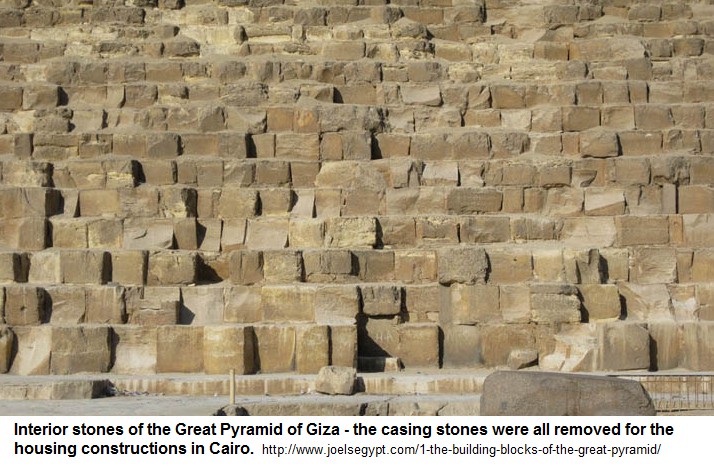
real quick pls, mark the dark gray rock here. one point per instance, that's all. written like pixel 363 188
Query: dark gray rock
pixel 557 394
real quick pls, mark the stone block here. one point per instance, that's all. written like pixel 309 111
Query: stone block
pixel 243 304
pixel 646 302
pixel 171 268
pixel 549 394
pixel 246 267
pixel 604 202
pixel 605 49
pixel 237 203
pixel 497 342
pixel 34 345
pixel 583 266
pixel 600 302
pixel 7 341
pixel 336 380
pixel 343 345
pixel 80 349
pixel 580 118
pixel 462 264
pixel 473 201
pixel 128 267
pixel 143 234
pixel 469 304
pixel 623 346
pixel 415 266
pixel 282 266
pixel 267 233
pixel 288 303
pixel 703 265
pixel 421 95
pixel 228 347
pixel 25 305
pixel 351 232
pixel 153 306
pixel 665 345
pixel 697 352
pixel 276 348
pixel 695 199
pixel 135 350
pixel 336 303
pixel 382 300
pixel 201 305
pixel 552 304
pixel 636 230
pixel 599 143
pixel 85 266
pixel 653 265
pixel 509 266
pixel 461 346
pixel 312 351
pixel 67 305
pixel 179 349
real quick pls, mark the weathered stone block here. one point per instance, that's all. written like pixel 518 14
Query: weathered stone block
pixel 135 349
pixel 646 302
pixel 34 346
pixel 351 232
pixel 636 230
pixel 473 200
pixel 381 300
pixel 171 268
pixel 80 349
pixel 509 266
pixel 24 305
pixel 497 342
pixel 336 303
pixel 336 380
pixel 201 305
pixel 600 302
pixel 555 304
pixel 312 351
pixel 462 265
pixel 469 304
pixel 228 347
pixel 7 340
pixel 67 305
pixel 276 348
pixel 243 304
pixel 246 267
pixel 548 394
pixel 179 349
pixel 343 344
pixel 623 346
pixel 288 303
pixel 271 233
pixel 653 265
pixel 84 266
pixel 153 306
pixel 282 266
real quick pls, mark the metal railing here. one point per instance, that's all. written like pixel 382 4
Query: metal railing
pixel 678 392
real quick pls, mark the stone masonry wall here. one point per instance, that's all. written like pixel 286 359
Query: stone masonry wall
pixel 275 186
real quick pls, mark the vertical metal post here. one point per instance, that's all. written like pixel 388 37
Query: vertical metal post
pixel 233 386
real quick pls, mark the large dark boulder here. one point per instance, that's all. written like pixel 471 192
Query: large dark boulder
pixel 557 394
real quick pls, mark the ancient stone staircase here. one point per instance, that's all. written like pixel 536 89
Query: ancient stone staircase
pixel 274 186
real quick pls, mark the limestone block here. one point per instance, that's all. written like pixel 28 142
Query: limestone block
pixel 695 199
pixel 336 380
pixel 303 146
pixel 461 346
pixel 100 202
pixel 485 229
pixel 243 304
pixel 233 235
pixel 288 303
pixel 421 95
pixel 564 202
pixel 24 305
pixel 580 118
pixel 506 96
pixel 267 233
pixel 604 202
pixel 473 200
pixel 135 349
pixel 336 303
pixel 510 266
pixel 497 342
pixel 575 349
pixel 374 265
pixel 276 348
pixel 143 234
pixel 67 305
pixel 381 300
pixel 589 232
pixel 699 230
pixel 246 267
pixel 285 266
pixel 102 233
pixel 653 265
pixel 343 345
pixel 128 267
pixel 623 346
pixel 515 303
pixel 636 230
pixel 228 347
pixel 422 302
pixel 201 305
pixel 328 265
pixel 153 306
pixel 646 302
pixel 237 203
pixel 84 266
pixel 418 345
pixel 547 394
pixel 703 265
pixel 470 304
pixel 583 266
pixel 605 49
pixel 555 304
pixel 415 266
pixel 697 352
pixel 312 351
pixel 80 349
pixel 665 345
pixel 29 202
pixel 171 268
pixel 179 349
pixel 599 143
pixel 45 267
pixel 350 232
pixel 522 358
pixel 600 302
pixel 462 264
pixel 34 345
pixel 186 233
pixel 7 340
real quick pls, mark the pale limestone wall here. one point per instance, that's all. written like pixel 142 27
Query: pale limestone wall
pixel 276 186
